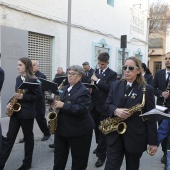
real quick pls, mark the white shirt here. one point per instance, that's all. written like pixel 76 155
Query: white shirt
pixel 130 84
pixel 69 88
pixel 23 78
pixel 167 73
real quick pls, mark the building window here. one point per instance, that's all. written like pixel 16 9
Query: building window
pixel 40 48
pixel 99 47
pixel 110 2
pixel 156 43
pixel 157 66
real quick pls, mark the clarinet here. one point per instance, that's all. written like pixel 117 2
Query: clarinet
pixel 168 90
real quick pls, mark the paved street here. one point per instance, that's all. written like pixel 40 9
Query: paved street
pixel 43 155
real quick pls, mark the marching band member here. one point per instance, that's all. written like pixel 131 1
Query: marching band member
pixel 24 118
pixel 160 84
pixel 103 79
pixel 2 75
pixel 75 124
pixel 147 74
pixel 123 95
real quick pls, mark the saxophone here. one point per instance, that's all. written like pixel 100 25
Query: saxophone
pixel 53 116
pixel 109 125
pixel 16 107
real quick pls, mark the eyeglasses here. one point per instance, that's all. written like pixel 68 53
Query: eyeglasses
pixel 72 74
pixel 130 68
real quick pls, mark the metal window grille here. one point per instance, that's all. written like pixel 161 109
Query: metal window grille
pixel 40 48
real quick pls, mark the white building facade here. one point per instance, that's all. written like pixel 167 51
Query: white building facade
pixel 97 26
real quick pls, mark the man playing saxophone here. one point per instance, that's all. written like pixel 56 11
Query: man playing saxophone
pixel 124 98
pixel 75 124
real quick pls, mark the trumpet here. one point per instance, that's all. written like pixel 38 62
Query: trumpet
pixel 16 107
pixel 53 116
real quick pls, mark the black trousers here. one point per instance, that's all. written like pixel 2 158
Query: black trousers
pixel 79 146
pixel 115 155
pixel 41 120
pixel 100 137
pixel 8 142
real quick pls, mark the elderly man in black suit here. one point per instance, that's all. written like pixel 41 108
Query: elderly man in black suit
pixel 75 124
pixel 88 72
pixel 40 106
pixel 1 83
pixel 161 90
pixel 103 79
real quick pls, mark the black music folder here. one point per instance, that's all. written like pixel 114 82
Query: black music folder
pixel 60 79
pixel 29 85
pixel 49 86
pixel 88 85
pixel 156 114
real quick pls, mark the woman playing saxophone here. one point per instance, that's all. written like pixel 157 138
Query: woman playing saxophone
pixel 126 101
pixel 75 124
pixel 24 117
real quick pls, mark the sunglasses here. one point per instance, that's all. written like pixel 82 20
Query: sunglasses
pixel 130 68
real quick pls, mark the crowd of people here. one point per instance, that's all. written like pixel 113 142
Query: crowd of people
pixel 90 97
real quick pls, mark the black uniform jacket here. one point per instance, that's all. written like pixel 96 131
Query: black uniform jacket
pixel 139 133
pixel 149 79
pixel 74 118
pixel 159 85
pixel 100 95
pixel 87 78
pixel 41 103
pixel 28 102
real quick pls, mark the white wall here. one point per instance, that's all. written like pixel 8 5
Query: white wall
pixel 92 20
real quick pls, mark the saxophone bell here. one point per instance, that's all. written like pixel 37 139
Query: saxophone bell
pixel 16 107
pixel 52 116
pixel 121 127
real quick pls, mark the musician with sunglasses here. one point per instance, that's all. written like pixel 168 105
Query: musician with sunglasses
pixel 123 96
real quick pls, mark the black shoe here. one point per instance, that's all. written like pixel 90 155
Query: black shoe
pixel 163 159
pixel 24 167
pixel 95 151
pixel 2 167
pixel 22 141
pixel 99 163
pixel 51 146
pixel 46 137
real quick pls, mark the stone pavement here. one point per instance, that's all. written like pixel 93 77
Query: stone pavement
pixel 43 155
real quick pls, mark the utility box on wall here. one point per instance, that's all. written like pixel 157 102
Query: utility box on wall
pixel 13 45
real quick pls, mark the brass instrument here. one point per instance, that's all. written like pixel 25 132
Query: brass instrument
pixel 53 116
pixel 16 107
pixel 116 124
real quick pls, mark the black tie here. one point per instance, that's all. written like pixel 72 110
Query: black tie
pixel 128 89
pixel 167 80
pixel 101 73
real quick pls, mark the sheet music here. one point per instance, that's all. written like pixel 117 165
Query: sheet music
pixel 161 108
